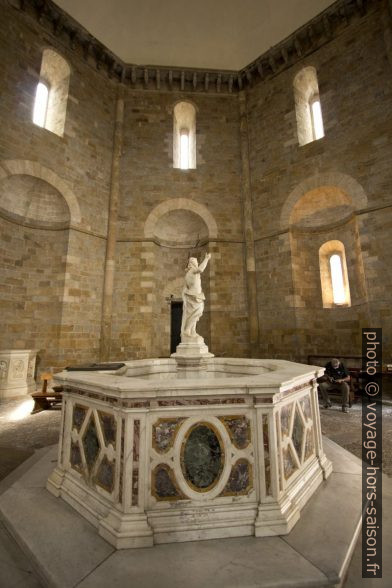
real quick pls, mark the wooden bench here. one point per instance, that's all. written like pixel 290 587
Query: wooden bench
pixel 45 399
pixel 353 365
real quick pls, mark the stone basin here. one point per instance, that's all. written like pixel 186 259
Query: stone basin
pixel 154 453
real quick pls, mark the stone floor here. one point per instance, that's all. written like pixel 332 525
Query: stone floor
pixel 345 430
pixel 21 434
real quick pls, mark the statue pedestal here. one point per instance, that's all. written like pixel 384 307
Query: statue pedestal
pixel 192 355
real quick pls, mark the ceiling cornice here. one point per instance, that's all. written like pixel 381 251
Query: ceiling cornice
pixel 304 41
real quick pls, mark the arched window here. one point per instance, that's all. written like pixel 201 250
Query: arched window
pixel 317 118
pixel 51 95
pixel 41 104
pixel 184 136
pixel 337 280
pixel 308 111
pixel 333 273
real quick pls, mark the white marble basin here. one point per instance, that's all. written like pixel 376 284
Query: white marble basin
pixel 154 453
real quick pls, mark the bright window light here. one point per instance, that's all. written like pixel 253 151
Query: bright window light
pixel 317 117
pixel 184 150
pixel 40 104
pixel 23 410
pixel 338 292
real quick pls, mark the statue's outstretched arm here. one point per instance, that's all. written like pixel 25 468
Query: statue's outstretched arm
pixel 204 263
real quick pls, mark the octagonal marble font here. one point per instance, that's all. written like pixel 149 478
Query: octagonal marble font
pixel 151 454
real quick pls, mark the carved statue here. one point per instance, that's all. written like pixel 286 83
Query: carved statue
pixel 193 299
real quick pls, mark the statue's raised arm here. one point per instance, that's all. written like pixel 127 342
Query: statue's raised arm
pixel 204 263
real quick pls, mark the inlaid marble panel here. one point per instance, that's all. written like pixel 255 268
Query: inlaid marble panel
pixel 76 457
pixel 78 416
pixel 91 445
pixel 105 474
pixel 202 457
pixel 121 480
pixel 108 427
pixel 240 480
pixel 164 486
pixel 306 408
pixel 267 459
pixel 309 443
pixel 135 468
pixel 298 433
pixel 238 428
pixel 289 465
pixel 164 433
pixel 285 417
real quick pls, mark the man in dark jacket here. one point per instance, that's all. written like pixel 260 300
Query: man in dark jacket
pixel 336 378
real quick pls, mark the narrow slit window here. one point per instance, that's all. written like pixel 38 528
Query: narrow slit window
pixel 184 136
pixel 317 119
pixel 184 149
pixel 338 290
pixel 335 287
pixel 308 112
pixel 41 104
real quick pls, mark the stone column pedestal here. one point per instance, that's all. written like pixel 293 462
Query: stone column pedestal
pixel 192 356
pixel 17 367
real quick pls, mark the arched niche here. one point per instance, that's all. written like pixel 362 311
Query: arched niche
pixel 180 204
pixel 33 202
pixel 321 220
pixel 23 167
pixel 178 228
pixel 35 217
pixel 319 184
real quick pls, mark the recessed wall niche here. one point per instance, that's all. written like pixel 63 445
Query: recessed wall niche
pixel 34 221
pixel 178 234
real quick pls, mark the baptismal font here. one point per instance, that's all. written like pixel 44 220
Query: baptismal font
pixel 193 446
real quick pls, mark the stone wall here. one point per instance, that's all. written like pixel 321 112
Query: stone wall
pixel 76 170
pixel 355 86
pixel 213 190
pixel 55 190
pixel 32 287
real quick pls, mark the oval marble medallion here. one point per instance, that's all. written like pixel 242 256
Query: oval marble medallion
pixel 202 457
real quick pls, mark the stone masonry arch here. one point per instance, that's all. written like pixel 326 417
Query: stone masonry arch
pixel 343 181
pixel 12 167
pixel 180 204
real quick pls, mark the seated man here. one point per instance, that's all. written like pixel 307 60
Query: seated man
pixel 336 377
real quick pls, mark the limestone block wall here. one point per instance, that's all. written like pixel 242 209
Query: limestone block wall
pixel 228 302
pixel 355 86
pixel 82 299
pixel 76 169
pixel 32 285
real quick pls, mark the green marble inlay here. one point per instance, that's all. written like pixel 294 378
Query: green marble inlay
pixel 91 444
pixel 79 413
pixel 202 457
pixel 298 433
